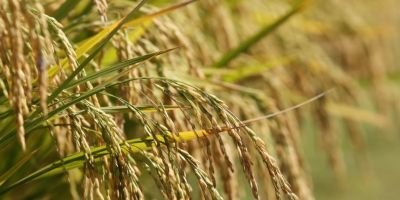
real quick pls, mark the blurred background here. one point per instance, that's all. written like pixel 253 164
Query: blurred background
pixel 357 40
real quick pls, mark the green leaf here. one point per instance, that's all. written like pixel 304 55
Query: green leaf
pixel 265 31
pixel 91 43
pixel 64 9
pixel 96 50
pixel 78 159
pixel 136 145
pixel 119 66
pixel 4 177
pixel 244 72
pixel 34 123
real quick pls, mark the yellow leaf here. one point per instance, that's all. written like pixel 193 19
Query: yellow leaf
pixel 144 21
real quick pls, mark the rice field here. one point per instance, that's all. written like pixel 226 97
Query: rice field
pixel 199 99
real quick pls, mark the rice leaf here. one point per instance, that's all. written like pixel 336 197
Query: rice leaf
pixel 265 31
pixel 64 9
pixel 114 68
pixel 4 177
pixel 96 50
pixel 137 145
pixel 78 159
pixel 244 72
pixel 35 122
pixel 95 40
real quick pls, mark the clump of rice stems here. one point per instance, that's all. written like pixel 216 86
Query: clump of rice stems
pixel 302 75
pixel 121 114
pixel 198 99
pixel 309 61
pixel 22 62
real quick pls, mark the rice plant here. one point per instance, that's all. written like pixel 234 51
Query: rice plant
pixel 184 99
